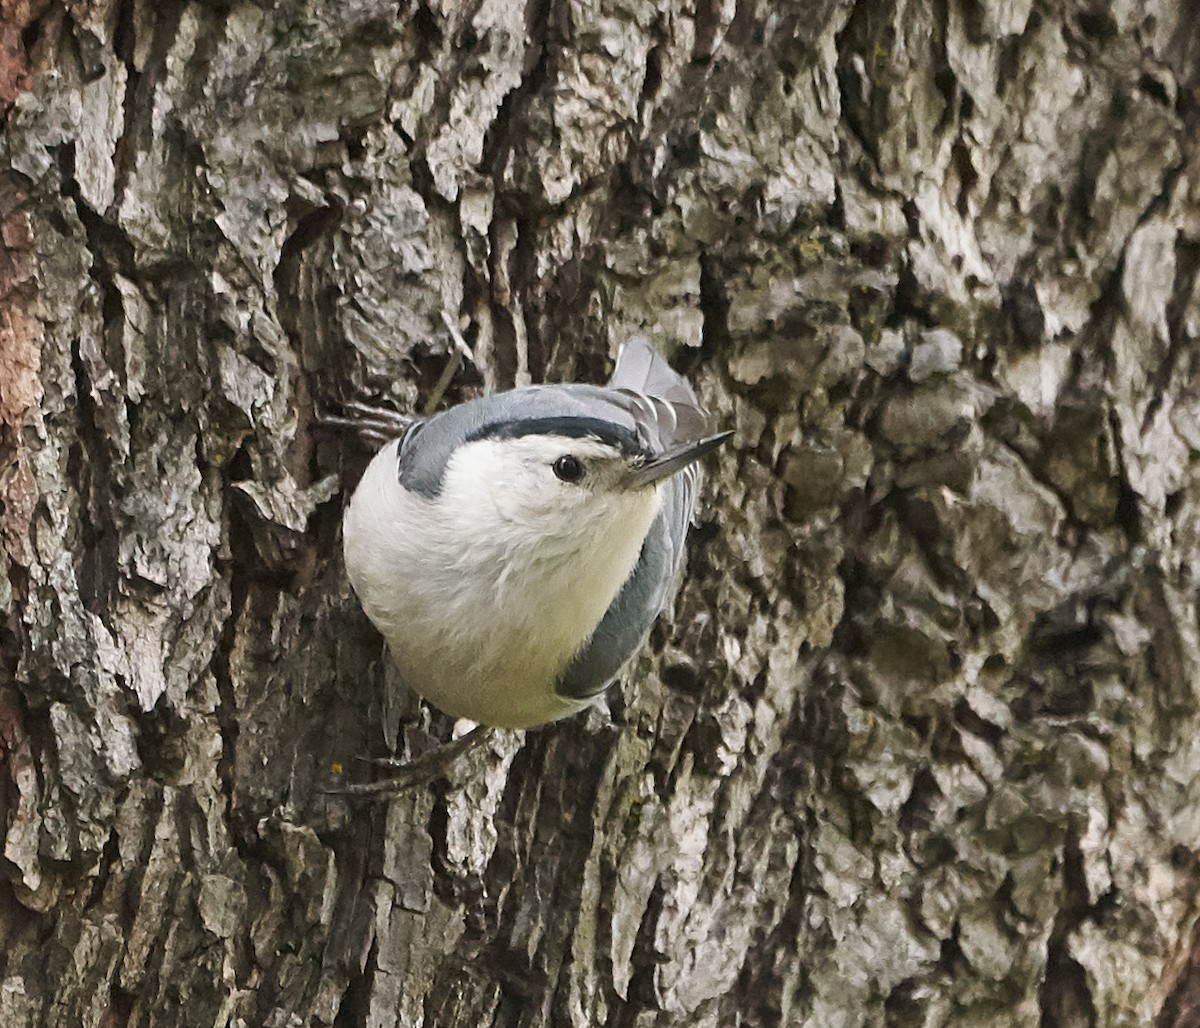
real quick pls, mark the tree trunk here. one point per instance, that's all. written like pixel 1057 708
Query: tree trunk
pixel 919 744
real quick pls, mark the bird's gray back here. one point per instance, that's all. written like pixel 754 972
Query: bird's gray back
pixel 646 408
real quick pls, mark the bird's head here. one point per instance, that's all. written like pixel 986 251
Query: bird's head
pixel 562 482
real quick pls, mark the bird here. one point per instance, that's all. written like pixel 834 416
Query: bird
pixel 515 550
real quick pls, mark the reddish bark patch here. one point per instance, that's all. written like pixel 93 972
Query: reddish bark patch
pixel 15 72
pixel 20 382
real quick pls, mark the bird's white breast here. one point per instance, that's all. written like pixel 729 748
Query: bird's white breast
pixel 485 592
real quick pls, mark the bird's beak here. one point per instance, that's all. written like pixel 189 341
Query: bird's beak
pixel 675 459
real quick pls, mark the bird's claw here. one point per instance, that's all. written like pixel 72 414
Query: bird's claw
pixel 439 762
pixel 374 424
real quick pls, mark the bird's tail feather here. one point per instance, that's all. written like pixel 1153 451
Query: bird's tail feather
pixel 641 370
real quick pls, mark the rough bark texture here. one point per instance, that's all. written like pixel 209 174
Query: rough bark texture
pixel 920 746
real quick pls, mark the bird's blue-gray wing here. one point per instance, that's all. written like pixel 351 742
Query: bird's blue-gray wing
pixel 665 411
pixel 649 588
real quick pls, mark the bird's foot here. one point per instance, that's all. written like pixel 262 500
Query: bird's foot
pixel 374 424
pixel 442 762
pixel 458 353
pixel 378 425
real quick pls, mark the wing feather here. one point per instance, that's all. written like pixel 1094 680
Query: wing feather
pixel 665 411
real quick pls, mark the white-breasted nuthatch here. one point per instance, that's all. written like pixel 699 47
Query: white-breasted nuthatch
pixel 515 550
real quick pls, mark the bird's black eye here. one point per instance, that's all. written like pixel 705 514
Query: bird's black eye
pixel 568 468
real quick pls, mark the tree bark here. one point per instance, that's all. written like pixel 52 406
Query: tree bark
pixel 918 745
